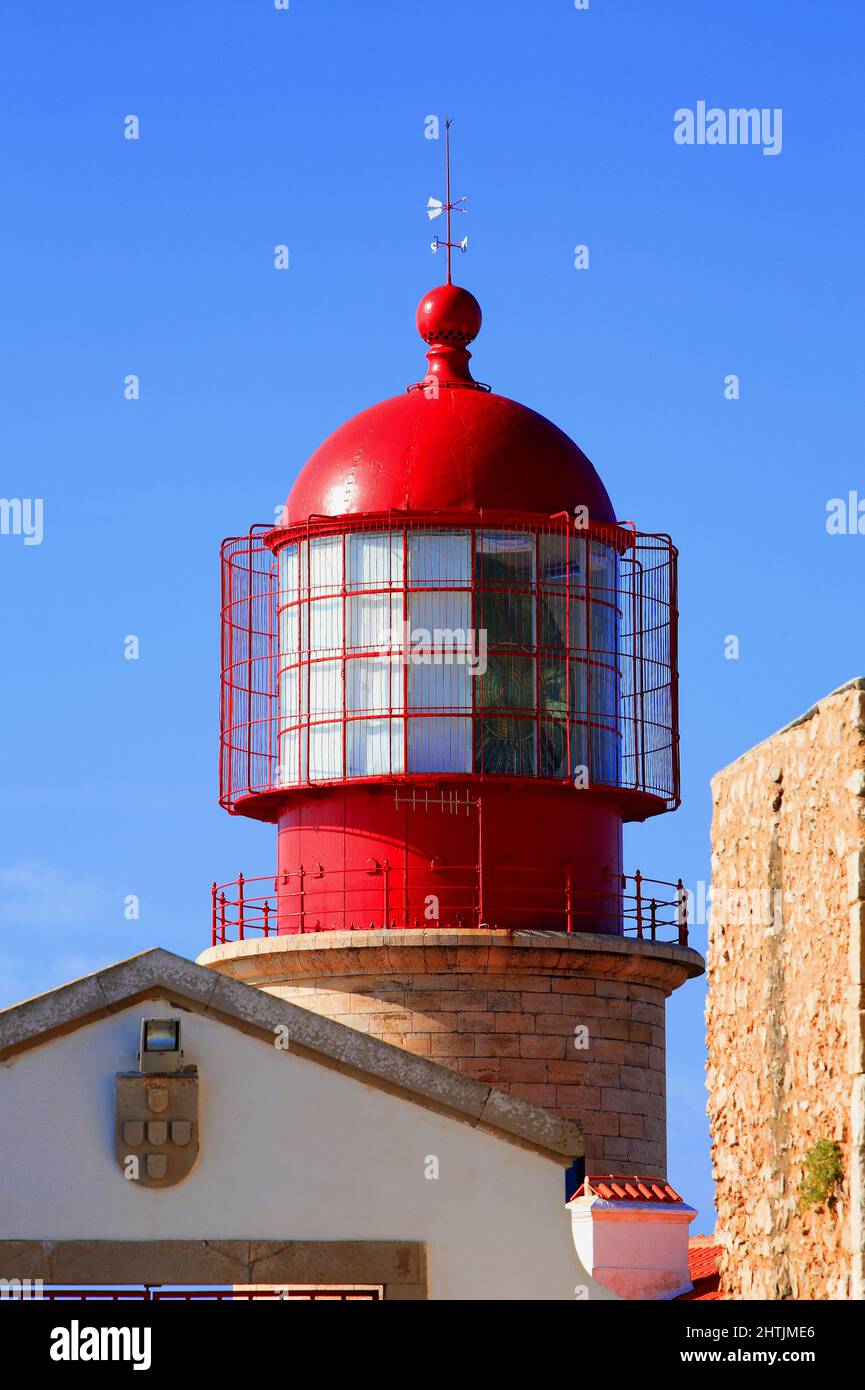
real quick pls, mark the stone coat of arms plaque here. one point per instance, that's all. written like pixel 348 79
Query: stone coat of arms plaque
pixel 156 1126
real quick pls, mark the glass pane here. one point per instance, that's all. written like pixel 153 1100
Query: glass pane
pixel 506 746
pixel 552 611
pixel 440 557
pixel 439 745
pixel 579 748
pixel 602 565
pixel 325 625
pixel 552 559
pixel 578 544
pixel 508 683
pixel 325 688
pixel 374 747
pixel 288 574
pixel 374 685
pixel 578 619
pixel 287 602
pixel 288 630
pixel 605 732
pixel 578 701
pixel 603 687
pixel 577 591
pixel 288 689
pixel 288 762
pixel 374 560
pixel 604 625
pixel 438 686
pixel 554 748
pixel 507 617
pixel 325 751
pixel 506 557
pixel 446 611
pixel 604 753
pixel 603 606
pixel 375 621
pixel 578 695
pixel 325 565
pixel 554 688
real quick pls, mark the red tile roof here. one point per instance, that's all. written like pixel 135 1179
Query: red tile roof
pixel 626 1187
pixel 703 1268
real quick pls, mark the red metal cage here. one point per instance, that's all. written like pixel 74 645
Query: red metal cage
pixel 579 627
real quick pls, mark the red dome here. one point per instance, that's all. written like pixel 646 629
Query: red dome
pixel 452 447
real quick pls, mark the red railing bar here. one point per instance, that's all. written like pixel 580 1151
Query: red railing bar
pixel 573 895
pixel 638 879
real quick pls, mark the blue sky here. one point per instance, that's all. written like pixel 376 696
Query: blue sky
pixel 306 127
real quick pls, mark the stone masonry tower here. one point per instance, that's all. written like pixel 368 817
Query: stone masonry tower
pixel 786 1007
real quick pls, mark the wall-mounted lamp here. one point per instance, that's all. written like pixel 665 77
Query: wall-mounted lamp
pixel 159 1049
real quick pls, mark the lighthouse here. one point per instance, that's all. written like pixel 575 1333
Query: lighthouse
pixel 449 677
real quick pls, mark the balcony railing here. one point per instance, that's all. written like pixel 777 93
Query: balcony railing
pixel 377 898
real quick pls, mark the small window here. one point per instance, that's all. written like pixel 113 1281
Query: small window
pixel 440 558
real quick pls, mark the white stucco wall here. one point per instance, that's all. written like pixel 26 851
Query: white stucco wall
pixel 289 1149
pixel 639 1249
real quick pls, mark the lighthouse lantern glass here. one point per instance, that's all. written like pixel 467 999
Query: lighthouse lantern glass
pixel 377 651
pixel 448 651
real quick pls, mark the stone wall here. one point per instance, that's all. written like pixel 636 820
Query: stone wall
pixel 784 1013
pixel 504 1008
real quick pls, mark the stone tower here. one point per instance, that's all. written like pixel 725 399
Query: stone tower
pixel 786 1011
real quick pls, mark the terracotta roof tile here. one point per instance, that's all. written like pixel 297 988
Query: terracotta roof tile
pixel 626 1187
pixel 703 1268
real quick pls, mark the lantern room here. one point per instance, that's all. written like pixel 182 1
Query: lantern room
pixel 449 673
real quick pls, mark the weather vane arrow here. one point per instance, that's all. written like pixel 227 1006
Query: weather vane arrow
pixel 435 207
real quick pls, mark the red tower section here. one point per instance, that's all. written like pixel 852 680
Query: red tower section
pixel 449 676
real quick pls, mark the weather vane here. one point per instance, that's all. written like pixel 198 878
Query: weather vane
pixel 435 207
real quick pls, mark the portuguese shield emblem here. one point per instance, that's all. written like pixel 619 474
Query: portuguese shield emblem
pixel 156 1126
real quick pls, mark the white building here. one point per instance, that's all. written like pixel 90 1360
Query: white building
pixel 326 1157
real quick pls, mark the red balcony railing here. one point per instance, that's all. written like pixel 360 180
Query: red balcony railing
pixel 376 898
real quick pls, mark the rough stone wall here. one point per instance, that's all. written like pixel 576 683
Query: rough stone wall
pixel 784 1013
pixel 507 1016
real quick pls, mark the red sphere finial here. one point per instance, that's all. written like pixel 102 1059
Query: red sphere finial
pixel 448 315
pixel 448 319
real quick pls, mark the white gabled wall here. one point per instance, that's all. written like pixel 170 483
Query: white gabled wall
pixel 289 1149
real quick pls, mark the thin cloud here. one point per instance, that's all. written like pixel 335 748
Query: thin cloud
pixel 41 895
